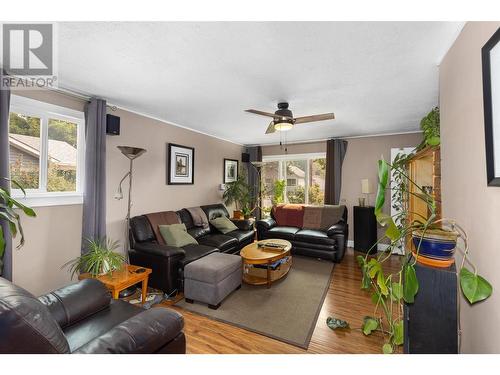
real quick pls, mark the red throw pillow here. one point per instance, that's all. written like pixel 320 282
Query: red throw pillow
pixel 289 215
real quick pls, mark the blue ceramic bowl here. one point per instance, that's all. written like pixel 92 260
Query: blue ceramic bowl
pixel 436 248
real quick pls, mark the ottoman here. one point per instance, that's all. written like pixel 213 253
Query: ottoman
pixel 212 278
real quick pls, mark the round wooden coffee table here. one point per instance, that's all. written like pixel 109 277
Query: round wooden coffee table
pixel 262 265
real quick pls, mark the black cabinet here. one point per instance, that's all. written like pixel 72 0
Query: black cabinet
pixel 365 229
pixel 431 322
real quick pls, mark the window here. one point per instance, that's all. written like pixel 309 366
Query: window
pixel 46 152
pixel 293 179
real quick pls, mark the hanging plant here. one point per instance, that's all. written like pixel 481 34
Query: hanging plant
pixel 430 128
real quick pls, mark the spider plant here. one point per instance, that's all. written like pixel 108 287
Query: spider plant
pixel 8 213
pixel 99 259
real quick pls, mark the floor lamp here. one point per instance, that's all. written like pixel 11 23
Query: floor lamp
pixel 131 153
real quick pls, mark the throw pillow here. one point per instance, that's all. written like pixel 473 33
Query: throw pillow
pixel 223 224
pixel 176 235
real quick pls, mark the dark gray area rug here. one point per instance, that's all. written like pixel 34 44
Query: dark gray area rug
pixel 288 311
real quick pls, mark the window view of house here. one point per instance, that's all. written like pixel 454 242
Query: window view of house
pixel 300 180
pixel 27 153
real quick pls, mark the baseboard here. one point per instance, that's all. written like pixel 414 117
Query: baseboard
pixel 380 246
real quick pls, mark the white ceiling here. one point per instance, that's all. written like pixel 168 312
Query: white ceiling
pixel 377 77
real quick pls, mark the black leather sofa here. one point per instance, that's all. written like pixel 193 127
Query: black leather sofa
pixel 327 244
pixel 168 262
pixel 82 318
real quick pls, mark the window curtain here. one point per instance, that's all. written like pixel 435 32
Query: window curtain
pixel 253 175
pixel 335 153
pixel 94 199
pixel 6 262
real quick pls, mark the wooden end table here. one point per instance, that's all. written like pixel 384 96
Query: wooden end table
pixel 122 279
pixel 254 255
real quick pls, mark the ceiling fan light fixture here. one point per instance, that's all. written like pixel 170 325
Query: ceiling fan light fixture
pixel 283 125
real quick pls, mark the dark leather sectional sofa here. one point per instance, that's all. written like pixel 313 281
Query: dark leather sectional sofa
pixel 82 318
pixel 168 262
pixel 329 243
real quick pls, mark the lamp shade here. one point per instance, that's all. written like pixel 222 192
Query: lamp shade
pixel 366 186
pixel 131 152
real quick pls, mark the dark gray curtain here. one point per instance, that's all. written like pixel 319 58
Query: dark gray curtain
pixel 6 272
pixel 94 200
pixel 253 174
pixel 335 153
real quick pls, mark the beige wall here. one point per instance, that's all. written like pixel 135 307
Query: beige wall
pixel 466 196
pixel 360 162
pixel 54 236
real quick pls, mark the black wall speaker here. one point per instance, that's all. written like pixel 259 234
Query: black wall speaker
pixel 112 125
pixel 245 157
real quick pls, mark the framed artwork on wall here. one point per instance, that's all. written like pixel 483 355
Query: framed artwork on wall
pixel 180 165
pixel 230 170
pixel 491 98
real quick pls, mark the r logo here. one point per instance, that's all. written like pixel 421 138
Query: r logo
pixel 28 49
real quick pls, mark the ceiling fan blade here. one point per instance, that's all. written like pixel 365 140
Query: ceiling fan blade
pixel 323 117
pixel 268 114
pixel 271 129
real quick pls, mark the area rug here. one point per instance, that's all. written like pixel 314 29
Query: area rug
pixel 288 311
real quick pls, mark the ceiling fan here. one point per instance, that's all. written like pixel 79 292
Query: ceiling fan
pixel 283 119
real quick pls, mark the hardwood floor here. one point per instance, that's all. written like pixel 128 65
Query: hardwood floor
pixel 344 300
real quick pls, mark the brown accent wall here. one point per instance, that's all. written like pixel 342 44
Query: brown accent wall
pixel 466 196
pixel 54 236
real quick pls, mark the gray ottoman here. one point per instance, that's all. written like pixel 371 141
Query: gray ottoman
pixel 212 278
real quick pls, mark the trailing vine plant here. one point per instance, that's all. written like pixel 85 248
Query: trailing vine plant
pixel 389 291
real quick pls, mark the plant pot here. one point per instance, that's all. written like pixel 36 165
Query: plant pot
pixel 436 247
pixel 237 214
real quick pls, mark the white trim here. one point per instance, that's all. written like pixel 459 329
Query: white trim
pixel 45 111
pixel 307 156
pixel 345 137
pixel 86 97
pixel 380 246
pixel 48 199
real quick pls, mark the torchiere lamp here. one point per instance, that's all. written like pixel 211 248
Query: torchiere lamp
pixel 131 153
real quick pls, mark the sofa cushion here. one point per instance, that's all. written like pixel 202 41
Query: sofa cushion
pixel 285 233
pixel 243 236
pixel 194 252
pixel 162 218
pixel 176 235
pixel 223 224
pixel 314 237
pixel 289 215
pixel 220 241
pixel 212 268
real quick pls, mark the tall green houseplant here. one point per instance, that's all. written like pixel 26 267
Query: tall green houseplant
pixel 8 213
pixel 389 291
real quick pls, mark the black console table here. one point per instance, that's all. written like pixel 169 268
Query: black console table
pixel 431 322
pixel 365 229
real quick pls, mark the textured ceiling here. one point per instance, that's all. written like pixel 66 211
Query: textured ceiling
pixel 377 77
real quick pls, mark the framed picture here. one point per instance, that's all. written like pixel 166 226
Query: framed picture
pixel 230 170
pixel 180 165
pixel 491 97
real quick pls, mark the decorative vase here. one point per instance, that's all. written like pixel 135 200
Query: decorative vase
pixel 436 247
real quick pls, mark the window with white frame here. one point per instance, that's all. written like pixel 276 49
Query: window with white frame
pixel 46 146
pixel 298 178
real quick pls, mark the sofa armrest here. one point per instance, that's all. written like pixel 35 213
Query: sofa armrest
pixel 76 302
pixel 244 224
pixel 144 333
pixel 338 228
pixel 158 249
pixel 267 223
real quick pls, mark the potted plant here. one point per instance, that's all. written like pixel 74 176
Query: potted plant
pixel 239 193
pixel 8 213
pixel 389 291
pixel 430 128
pixel 99 259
